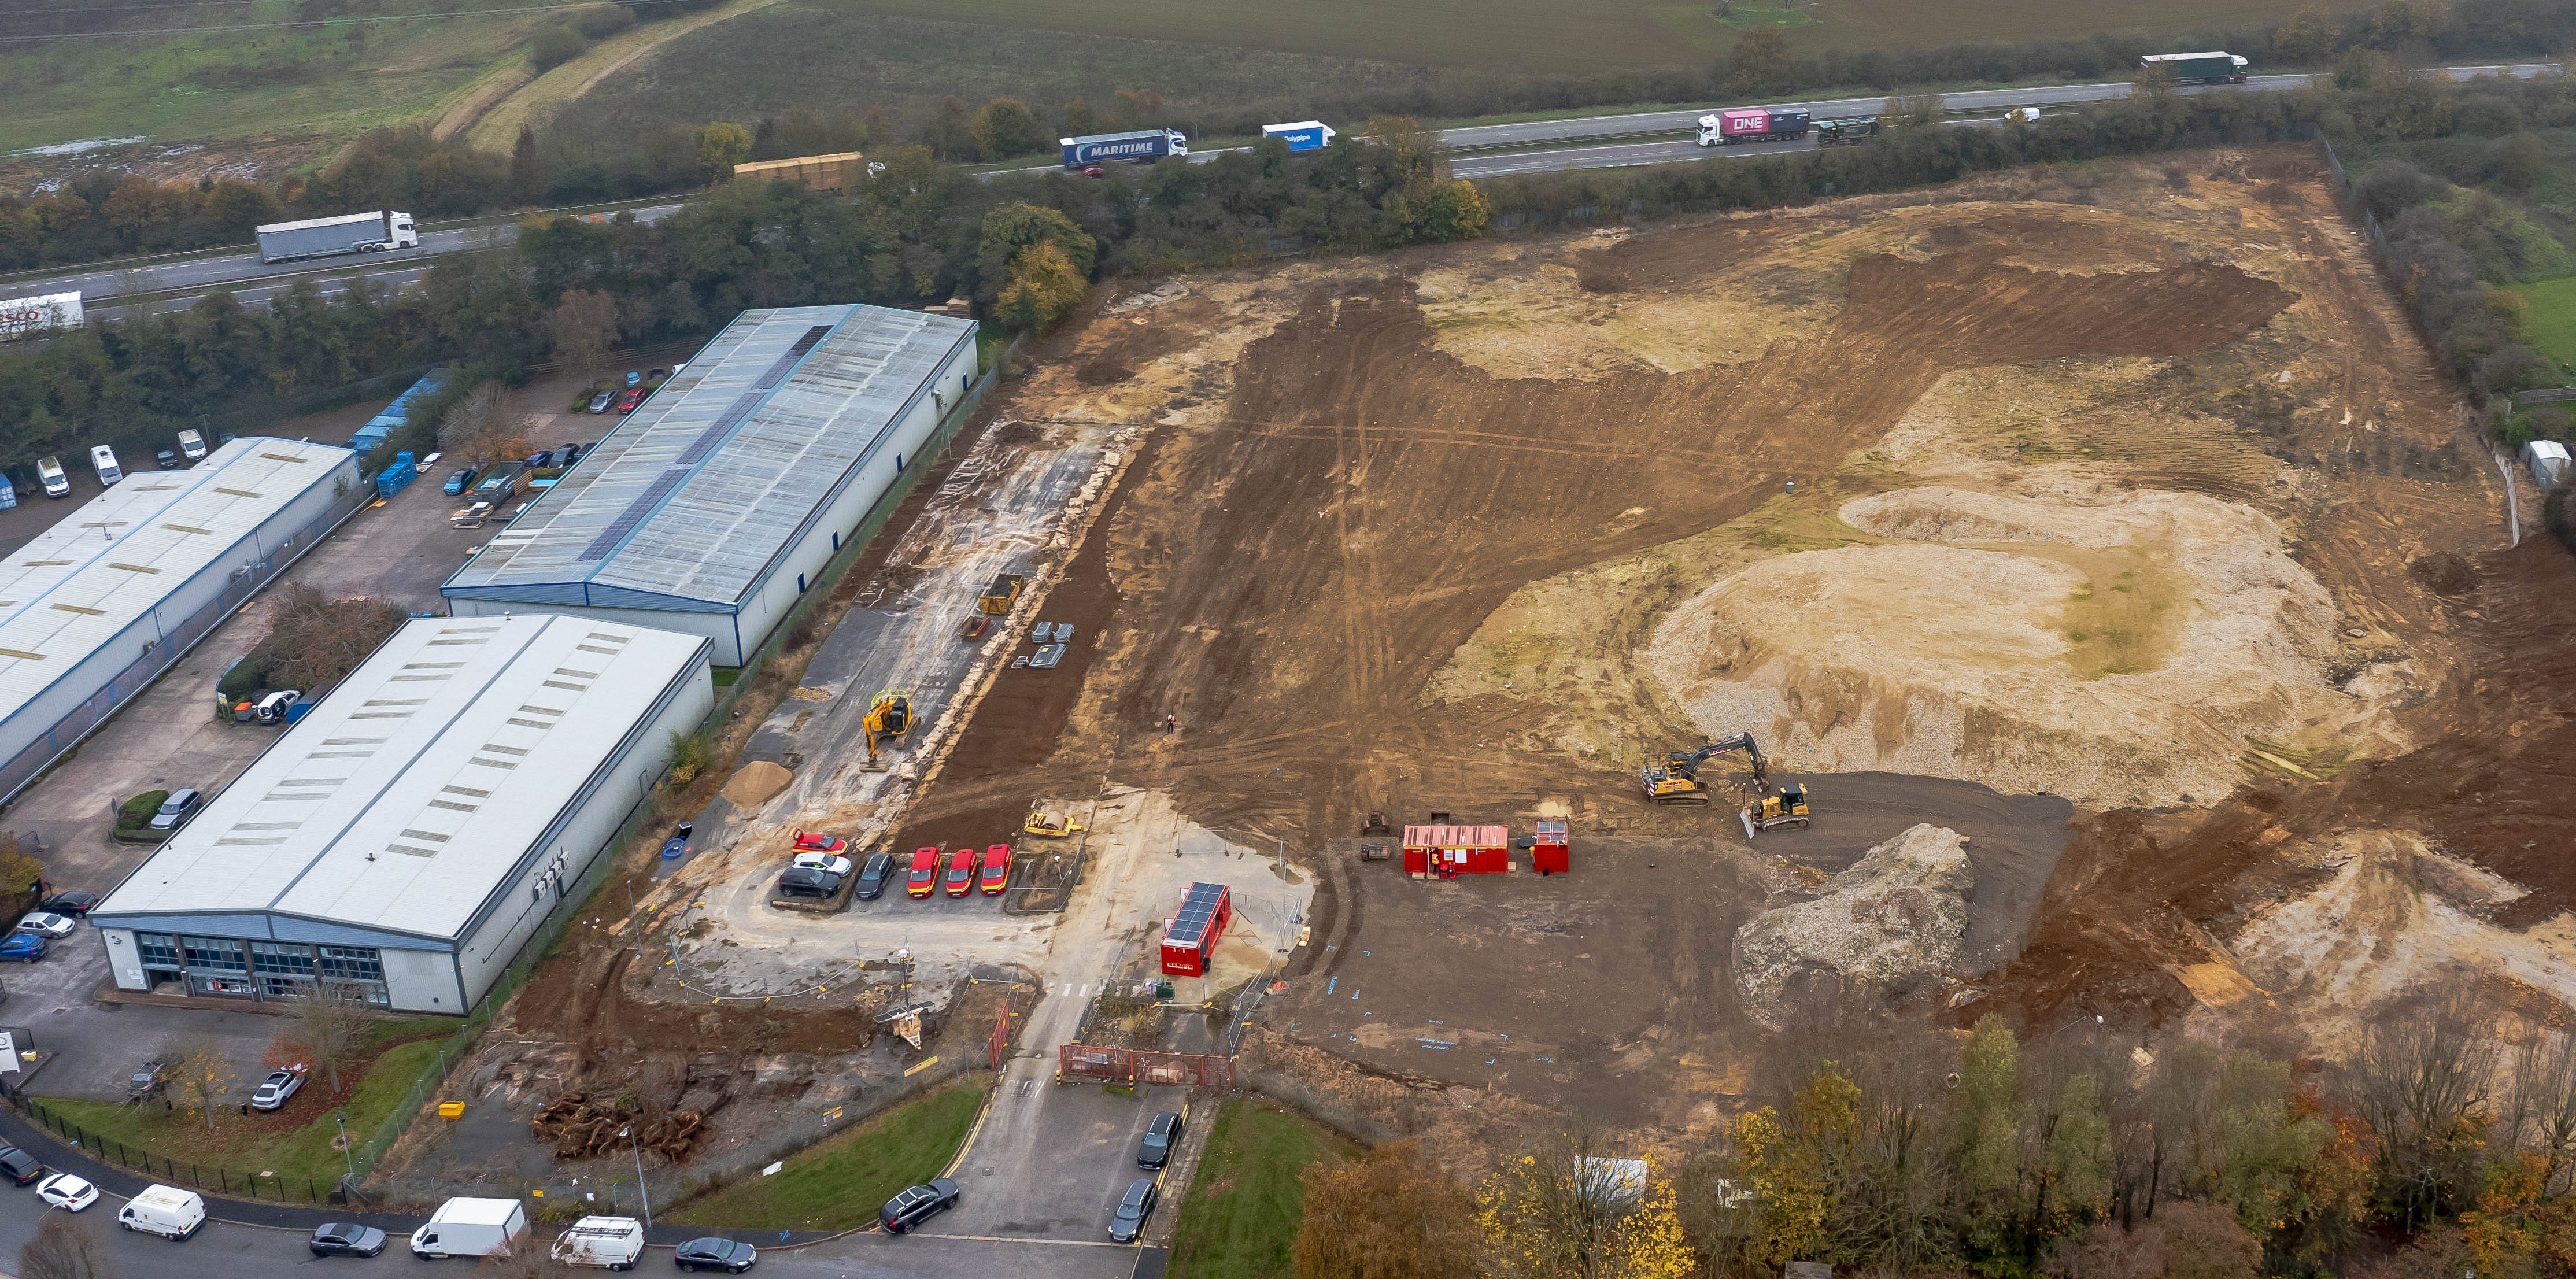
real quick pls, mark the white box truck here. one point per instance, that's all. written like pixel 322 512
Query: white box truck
pixel 608 1243
pixel 471 1228
pixel 102 459
pixel 49 472
pixel 192 445
pixel 330 237
pixel 166 1211
pixel 46 313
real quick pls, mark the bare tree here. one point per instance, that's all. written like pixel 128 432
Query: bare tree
pixel 331 1023
pixel 2420 1080
pixel 63 1248
pixel 315 640
pixel 583 325
pixel 2543 1109
pixel 201 1074
pixel 483 429
pixel 1916 109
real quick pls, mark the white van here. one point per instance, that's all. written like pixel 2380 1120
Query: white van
pixel 166 1211
pixel 49 472
pixel 103 459
pixel 471 1228
pixel 609 1243
pixel 192 446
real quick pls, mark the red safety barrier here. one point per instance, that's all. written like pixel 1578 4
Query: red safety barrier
pixel 1093 1064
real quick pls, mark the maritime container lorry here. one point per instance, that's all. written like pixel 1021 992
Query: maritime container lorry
pixel 1144 146
pixel 331 237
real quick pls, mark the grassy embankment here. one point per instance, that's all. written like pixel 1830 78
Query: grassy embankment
pixel 1245 1201
pixel 838 1183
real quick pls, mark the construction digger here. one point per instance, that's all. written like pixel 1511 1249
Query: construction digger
pixel 889 718
pixel 1677 779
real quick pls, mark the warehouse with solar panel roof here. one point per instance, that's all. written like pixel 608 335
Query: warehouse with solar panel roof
pixel 716 504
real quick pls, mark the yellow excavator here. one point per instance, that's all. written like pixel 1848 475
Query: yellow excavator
pixel 889 718
pixel 1677 779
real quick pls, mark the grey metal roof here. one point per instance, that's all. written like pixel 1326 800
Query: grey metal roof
pixel 695 495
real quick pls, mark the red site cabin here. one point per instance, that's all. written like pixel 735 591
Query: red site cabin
pixel 1547 847
pixel 1189 938
pixel 1457 850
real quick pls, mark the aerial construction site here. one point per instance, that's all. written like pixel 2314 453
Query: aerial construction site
pixel 2095 547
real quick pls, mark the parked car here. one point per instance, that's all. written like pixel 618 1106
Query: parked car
pixel 26 948
pixel 50 474
pixel 806 881
pixel 656 377
pixel 626 403
pixel 272 708
pixel 961 872
pixel 925 873
pixel 178 808
pixel 461 479
pixel 48 924
pixel 276 1089
pixel 19 1166
pixel 167 459
pixel 1155 1150
pixel 1135 1208
pixel 567 454
pixel 997 869
pixel 539 461
pixel 714 1253
pixel 873 876
pixel 829 863
pixel 147 1080
pixel 67 1192
pixel 815 841
pixel 917 1205
pixel 346 1239
pixel 599 403
pixel 72 903
pixel 1094 171
pixel 167 1211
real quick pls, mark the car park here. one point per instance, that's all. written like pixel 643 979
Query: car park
pixel 25 948
pixel 1135 1208
pixel 924 878
pixel 346 1239
pixel 997 869
pixel 1155 1150
pixel 72 903
pixel 274 1091
pixel 459 480
pixel 909 1209
pixel 828 863
pixel 181 805
pixel 873 876
pixel 48 924
pixel 961 872
pixel 626 403
pixel 806 881
pixel 19 1166
pixel 67 1192
pixel 715 1253
pixel 599 403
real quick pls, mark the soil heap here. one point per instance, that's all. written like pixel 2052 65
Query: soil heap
pixel 1893 923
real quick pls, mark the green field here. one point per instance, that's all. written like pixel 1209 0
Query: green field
pixel 2551 322
pixel 840 1182
pixel 1245 1201
pixel 256 1145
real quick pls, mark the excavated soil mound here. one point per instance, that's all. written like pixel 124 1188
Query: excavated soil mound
pixel 2118 649
pixel 1892 923
pixel 756 784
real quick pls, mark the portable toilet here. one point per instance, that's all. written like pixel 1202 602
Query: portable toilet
pixel 1547 847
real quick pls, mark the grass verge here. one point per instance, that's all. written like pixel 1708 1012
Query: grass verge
pixel 839 1182
pixel 2551 321
pixel 1240 1218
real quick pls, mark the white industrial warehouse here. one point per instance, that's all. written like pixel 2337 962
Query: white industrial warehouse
pixel 420 825
pixel 717 503
pixel 99 604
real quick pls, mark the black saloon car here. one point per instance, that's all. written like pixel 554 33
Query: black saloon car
pixel 917 1205
pixel 346 1239
pixel 713 1253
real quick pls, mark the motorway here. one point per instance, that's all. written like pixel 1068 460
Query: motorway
pixel 1491 150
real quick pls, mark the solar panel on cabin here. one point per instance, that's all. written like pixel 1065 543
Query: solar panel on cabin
pixel 1190 926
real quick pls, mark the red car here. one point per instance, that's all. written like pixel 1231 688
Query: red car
pixel 1094 171
pixel 925 873
pixel 626 403
pixel 961 872
pixel 997 869
pixel 808 841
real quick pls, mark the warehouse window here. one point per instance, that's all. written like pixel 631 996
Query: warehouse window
pixel 281 959
pixel 212 954
pixel 160 950
pixel 352 963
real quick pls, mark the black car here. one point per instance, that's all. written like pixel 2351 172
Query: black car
pixel 19 1166
pixel 808 881
pixel 73 903
pixel 712 1253
pixel 1133 1210
pixel 917 1205
pixel 346 1239
pixel 874 874
pixel 1160 1136
pixel 168 459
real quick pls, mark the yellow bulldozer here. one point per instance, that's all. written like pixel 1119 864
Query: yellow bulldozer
pixel 889 718
pixel 1047 823
pixel 1784 807
pixel 1677 779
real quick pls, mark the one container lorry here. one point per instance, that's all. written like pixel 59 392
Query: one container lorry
pixel 471 1228
pixel 331 237
pixel 1753 124
pixel 35 316
pixel 1144 146
pixel 1304 135
pixel 2197 68
pixel 608 1243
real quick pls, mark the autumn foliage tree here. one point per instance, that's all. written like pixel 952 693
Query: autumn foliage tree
pixel 1390 1214
pixel 1570 1209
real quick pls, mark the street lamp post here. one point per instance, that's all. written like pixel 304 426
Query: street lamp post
pixel 642 1194
pixel 347 1155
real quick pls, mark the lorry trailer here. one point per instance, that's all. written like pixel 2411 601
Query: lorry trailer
pixel 1305 135
pixel 2198 68
pixel 44 313
pixel 331 237
pixel 1848 132
pixel 1143 146
pixel 1752 124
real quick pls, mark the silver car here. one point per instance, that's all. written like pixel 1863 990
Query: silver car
pixel 274 1090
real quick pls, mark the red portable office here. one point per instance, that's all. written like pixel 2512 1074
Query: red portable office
pixel 1190 937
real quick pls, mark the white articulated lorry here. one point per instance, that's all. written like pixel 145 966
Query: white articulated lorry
pixel 330 237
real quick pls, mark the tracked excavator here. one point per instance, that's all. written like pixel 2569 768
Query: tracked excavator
pixel 1677 779
pixel 889 718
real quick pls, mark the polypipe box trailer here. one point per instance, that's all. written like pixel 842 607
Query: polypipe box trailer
pixel 1304 135
pixel 1144 146
pixel 1752 124
pixel 331 237
pixel 45 313
pixel 2198 68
